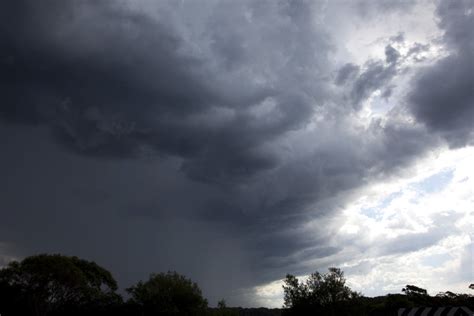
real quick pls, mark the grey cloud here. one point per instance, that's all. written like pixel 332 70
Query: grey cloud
pixel 346 72
pixel 442 226
pixel 370 8
pixel 447 106
pixel 443 94
pixel 412 242
pixel 417 50
pixel 399 38
pixel 387 93
pixel 391 54
pixel 376 75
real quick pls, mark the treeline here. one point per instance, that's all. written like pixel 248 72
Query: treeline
pixel 327 294
pixel 50 285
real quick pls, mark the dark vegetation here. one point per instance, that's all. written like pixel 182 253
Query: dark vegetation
pixel 60 285
pixel 327 294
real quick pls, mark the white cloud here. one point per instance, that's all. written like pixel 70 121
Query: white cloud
pixel 415 229
pixel 431 223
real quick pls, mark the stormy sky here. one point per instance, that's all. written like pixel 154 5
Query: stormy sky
pixel 237 141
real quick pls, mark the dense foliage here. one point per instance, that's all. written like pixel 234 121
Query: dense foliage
pixel 168 294
pixel 321 293
pixel 53 284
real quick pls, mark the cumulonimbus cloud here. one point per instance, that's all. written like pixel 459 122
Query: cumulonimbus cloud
pixel 236 104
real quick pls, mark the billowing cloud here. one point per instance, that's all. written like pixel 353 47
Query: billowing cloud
pixel 220 139
pixel 112 81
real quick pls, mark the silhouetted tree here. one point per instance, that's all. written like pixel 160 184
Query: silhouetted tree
pixel 412 290
pixel 221 304
pixel 325 293
pixel 295 293
pixel 48 284
pixel 417 295
pixel 329 288
pixel 168 294
pixel 223 310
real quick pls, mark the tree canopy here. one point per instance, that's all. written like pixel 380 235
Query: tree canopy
pixel 414 290
pixel 320 291
pixel 52 283
pixel 168 294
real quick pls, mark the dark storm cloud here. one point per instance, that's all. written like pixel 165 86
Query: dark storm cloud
pixel 111 82
pixel 131 216
pixel 230 114
pixel 117 83
pixel 56 72
pixel 443 94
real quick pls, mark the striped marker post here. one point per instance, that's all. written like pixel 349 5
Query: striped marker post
pixel 436 311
